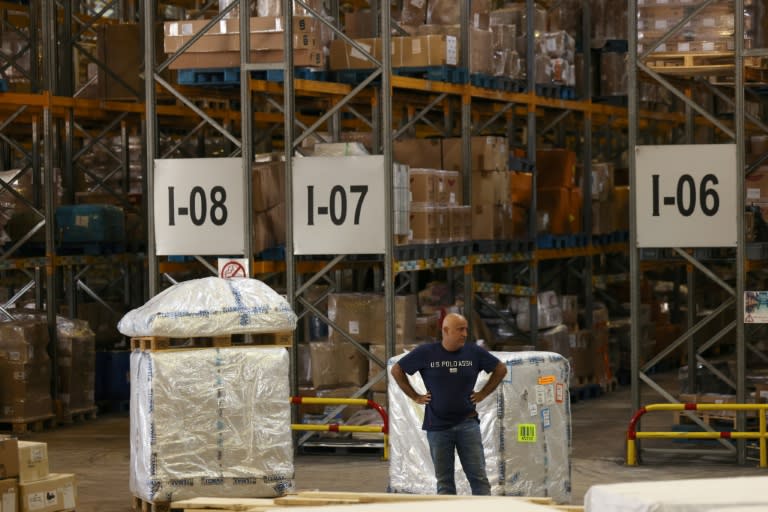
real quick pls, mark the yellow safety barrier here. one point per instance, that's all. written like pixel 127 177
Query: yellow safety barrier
pixel 335 427
pixel 760 435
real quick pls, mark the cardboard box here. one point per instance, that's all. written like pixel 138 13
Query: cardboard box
pixel 756 184
pixel 345 56
pixel 55 493
pixel 480 51
pixel 301 57
pixel 27 407
pixel 514 222
pixel 9 495
pixel 362 316
pixel 268 185
pixel 443 224
pixel 621 208
pixel 322 365
pixel 450 187
pixel 484 188
pixel 9 457
pixel 231 42
pixel 603 216
pixel 257 24
pixel 556 202
pixel 418 153
pixel 422 185
pixel 23 342
pixel 582 361
pixel 351 364
pixel 460 221
pixel 119 48
pixel 520 188
pixel 487 154
pixel 423 224
pixel 360 24
pixel 33 461
pixel 19 381
pixel 555 168
pixel 432 50
pixel 487 222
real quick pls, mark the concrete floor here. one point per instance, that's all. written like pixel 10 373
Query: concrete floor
pixel 98 452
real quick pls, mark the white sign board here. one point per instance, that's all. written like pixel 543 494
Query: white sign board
pixel 199 205
pixel 686 195
pixel 338 205
pixel 230 268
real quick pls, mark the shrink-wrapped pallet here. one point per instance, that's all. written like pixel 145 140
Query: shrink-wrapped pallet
pixel 210 422
pixel 525 425
pixel 211 306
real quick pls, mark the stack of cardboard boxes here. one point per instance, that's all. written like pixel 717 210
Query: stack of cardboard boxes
pixel 26 484
pixel 335 368
pixel 25 371
pixel 557 192
pixel 219 47
pixel 77 368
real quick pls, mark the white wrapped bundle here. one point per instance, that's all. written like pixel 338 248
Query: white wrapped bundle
pixel 210 422
pixel 525 426
pixel 211 306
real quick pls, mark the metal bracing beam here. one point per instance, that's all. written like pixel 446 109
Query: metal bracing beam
pixel 479 130
pixel 105 68
pixel 360 116
pixel 197 110
pixel 707 272
pixel 420 115
pixel 98 139
pixel 685 99
pixel 297 121
pixel 556 121
pixel 178 144
pixel 732 103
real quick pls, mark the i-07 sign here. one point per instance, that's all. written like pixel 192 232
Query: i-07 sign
pixel 686 195
pixel 338 205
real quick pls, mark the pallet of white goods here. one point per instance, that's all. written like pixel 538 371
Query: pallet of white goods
pixel 525 426
pixel 708 494
pixel 210 422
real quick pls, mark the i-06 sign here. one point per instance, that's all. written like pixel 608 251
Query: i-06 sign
pixel 686 195
pixel 338 205
pixel 199 206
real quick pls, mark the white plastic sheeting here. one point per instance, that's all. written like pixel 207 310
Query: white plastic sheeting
pixel 210 422
pixel 211 306
pixel 525 426
pixel 693 495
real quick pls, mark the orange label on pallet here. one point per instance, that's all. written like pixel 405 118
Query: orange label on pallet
pixel 547 379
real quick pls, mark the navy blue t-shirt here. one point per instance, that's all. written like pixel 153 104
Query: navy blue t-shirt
pixel 450 377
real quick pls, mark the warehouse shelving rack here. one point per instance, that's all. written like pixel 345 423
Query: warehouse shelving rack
pixel 738 271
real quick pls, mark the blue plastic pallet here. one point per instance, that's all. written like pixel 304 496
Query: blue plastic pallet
pixel 3 85
pixel 209 77
pixel 546 241
pixel 272 254
pixel 444 73
pixel 556 91
pixel 278 75
pixel 497 83
pixel 521 164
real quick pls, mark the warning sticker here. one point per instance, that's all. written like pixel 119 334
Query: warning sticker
pixel 547 379
pixel 533 409
pixel 526 433
pixel 559 392
pixel 541 394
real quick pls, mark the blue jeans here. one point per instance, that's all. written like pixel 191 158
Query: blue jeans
pixel 465 439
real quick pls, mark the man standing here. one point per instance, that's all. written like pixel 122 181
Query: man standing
pixel 449 369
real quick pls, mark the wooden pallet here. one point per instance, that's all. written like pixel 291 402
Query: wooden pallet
pixel 156 343
pixel 692 63
pixel 709 418
pixel 21 426
pixel 76 415
pixel 319 499
pixel 140 505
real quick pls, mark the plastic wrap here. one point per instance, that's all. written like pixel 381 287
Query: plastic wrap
pixel 413 13
pixel 444 12
pixel 211 306
pixel 210 422
pixel 340 149
pixel 525 425
pixel 705 494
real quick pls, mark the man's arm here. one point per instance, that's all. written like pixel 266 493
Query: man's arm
pixel 497 375
pixel 402 380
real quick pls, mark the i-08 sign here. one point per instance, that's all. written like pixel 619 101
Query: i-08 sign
pixel 686 195
pixel 199 205
pixel 338 205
